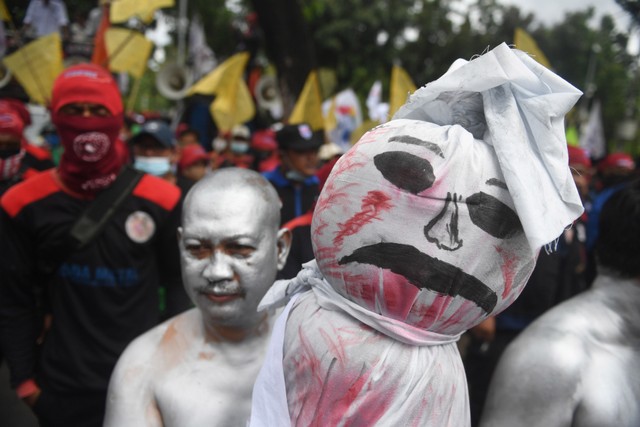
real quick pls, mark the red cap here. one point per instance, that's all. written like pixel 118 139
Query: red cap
pixel 619 160
pixel 86 83
pixel 578 156
pixel 11 121
pixel 19 107
pixel 181 128
pixel 264 140
pixel 191 154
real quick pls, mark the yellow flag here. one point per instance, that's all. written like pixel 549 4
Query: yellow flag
pixel 526 43
pixel 122 10
pixel 233 103
pixel 228 71
pixel 308 108
pixel 128 51
pixel 4 12
pixel 36 66
pixel 400 88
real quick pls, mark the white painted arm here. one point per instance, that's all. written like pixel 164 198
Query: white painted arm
pixel 537 382
pixel 130 399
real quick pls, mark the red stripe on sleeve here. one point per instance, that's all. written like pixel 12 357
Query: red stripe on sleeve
pixel 158 191
pixel 299 221
pixel 29 191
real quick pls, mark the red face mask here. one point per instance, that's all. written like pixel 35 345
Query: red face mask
pixel 90 162
pixel 10 165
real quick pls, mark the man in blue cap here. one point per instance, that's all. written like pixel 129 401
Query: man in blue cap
pixel 154 150
pixel 295 179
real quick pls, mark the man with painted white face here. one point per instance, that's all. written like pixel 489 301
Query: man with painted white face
pixel 579 363
pixel 199 367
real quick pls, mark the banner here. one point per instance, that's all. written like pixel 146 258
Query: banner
pixel 526 43
pixel 128 51
pixel 401 87
pixel 342 117
pixel 308 108
pixel 36 66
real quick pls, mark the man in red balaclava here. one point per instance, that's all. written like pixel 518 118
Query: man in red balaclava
pixel 99 297
pixel 19 159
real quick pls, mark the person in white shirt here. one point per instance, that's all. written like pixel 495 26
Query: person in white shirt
pixel 44 17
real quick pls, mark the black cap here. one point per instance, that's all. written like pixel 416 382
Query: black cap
pixel 299 137
pixel 158 130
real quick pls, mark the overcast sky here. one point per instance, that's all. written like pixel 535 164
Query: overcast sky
pixel 553 11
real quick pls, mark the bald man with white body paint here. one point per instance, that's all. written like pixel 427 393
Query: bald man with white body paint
pixel 578 365
pixel 199 367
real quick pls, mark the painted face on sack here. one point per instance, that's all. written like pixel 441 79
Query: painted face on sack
pixel 416 223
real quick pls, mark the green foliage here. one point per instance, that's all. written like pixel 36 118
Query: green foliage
pixel 632 7
pixel 219 25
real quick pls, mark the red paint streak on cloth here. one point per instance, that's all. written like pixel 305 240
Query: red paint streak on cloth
pixel 434 311
pixel 349 399
pixel 398 295
pixel 373 204
pixel 509 263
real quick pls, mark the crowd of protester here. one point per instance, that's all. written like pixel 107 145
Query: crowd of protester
pixel 54 178
pixel 289 157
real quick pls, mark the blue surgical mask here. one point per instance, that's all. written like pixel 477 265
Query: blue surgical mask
pixel 239 147
pixel 157 166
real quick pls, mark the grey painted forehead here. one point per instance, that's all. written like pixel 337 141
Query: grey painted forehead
pixel 236 179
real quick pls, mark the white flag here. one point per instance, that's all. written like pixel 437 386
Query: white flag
pixel 378 110
pixel 592 133
pixel 200 54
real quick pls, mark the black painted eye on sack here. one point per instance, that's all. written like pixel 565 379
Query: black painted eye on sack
pixel 493 216
pixel 406 171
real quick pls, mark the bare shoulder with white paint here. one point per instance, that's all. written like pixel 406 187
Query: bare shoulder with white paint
pixel 131 399
pixel 174 376
pixel 577 365
pixel 537 380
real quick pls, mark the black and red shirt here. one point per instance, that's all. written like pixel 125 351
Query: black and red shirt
pixel 100 297
pixel 35 160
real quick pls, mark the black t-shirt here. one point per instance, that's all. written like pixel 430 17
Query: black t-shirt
pixel 100 297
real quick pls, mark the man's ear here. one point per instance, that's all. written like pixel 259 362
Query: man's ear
pixel 284 246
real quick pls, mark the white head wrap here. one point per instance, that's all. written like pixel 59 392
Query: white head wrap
pixel 524 108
